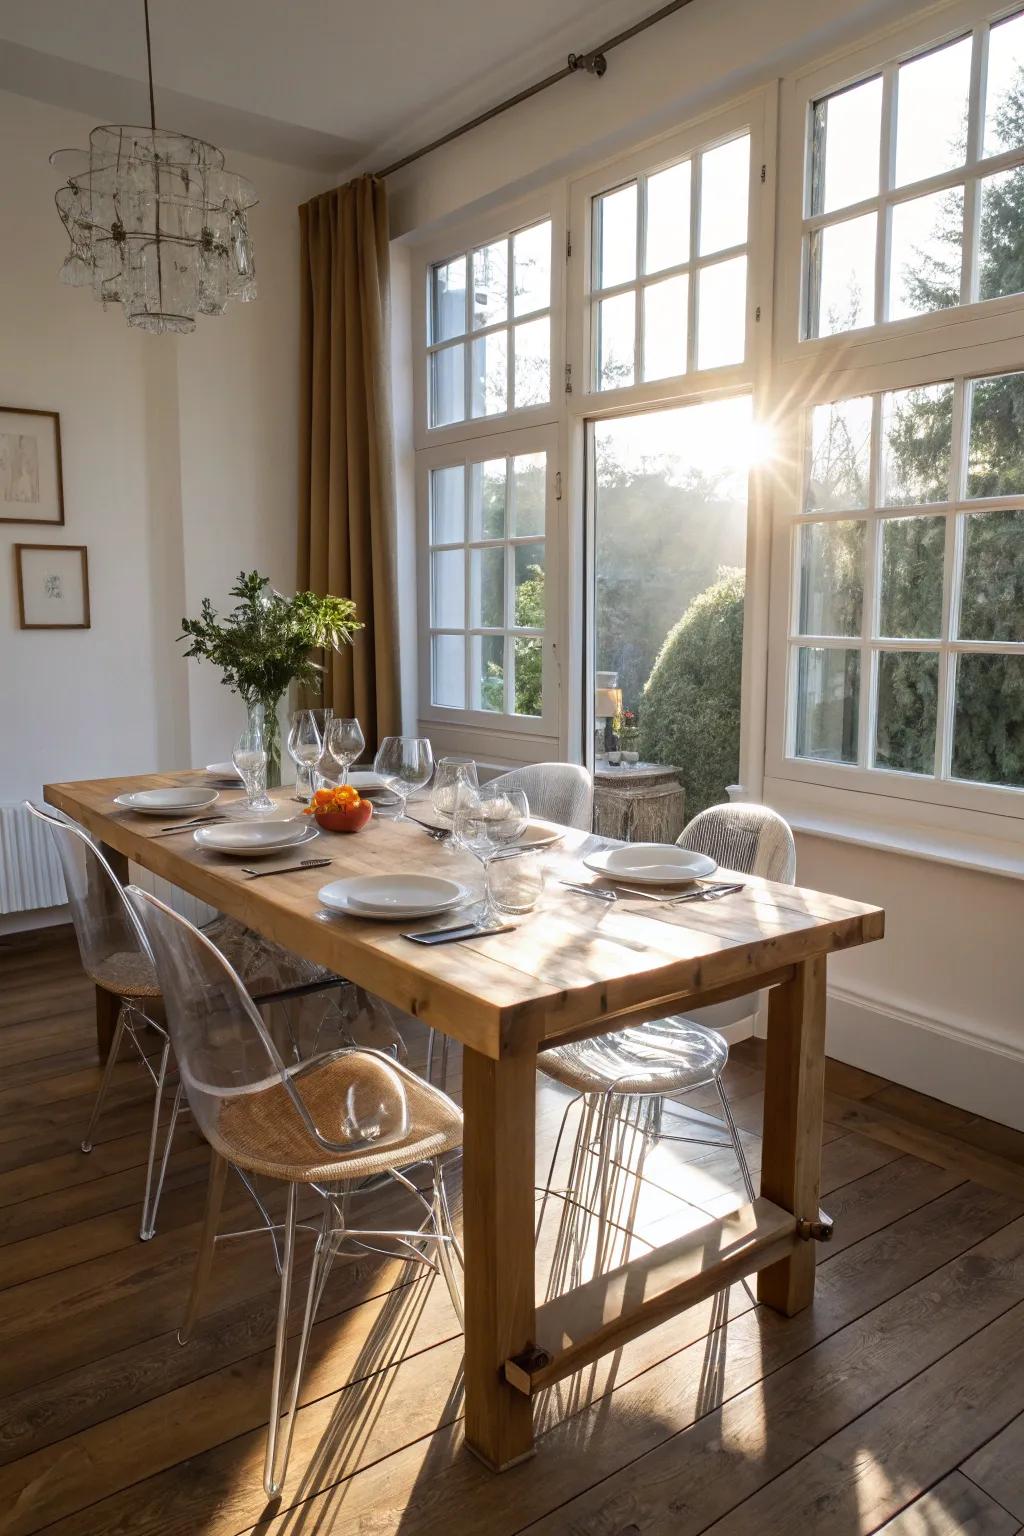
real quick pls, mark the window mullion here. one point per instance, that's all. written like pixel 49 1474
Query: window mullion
pixel 886 177
pixel 691 287
pixel 638 297
pixel 869 598
pixel 951 582
pixel 972 189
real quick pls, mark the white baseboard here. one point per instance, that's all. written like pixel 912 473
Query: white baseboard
pixel 934 1056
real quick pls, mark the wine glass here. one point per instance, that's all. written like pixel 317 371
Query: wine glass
pixel 250 758
pixel 485 824
pixel 344 743
pixel 305 747
pixel 450 774
pixel 405 763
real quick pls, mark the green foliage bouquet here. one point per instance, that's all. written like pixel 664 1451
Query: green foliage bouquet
pixel 266 642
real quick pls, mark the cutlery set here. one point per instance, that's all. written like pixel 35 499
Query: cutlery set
pixel 704 893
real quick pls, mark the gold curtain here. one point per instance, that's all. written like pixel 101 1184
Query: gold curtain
pixel 347 477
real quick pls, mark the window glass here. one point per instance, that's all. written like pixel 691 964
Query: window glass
pixel 846 145
pixel 931 113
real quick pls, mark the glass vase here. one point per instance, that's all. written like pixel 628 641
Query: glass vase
pixel 263 712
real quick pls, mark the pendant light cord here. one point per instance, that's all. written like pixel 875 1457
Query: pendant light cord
pixel 149 67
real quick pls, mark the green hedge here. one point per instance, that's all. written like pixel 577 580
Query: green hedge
pixel 690 715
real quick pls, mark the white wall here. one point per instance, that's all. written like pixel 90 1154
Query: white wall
pixel 180 468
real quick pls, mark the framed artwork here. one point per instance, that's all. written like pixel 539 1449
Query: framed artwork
pixel 53 586
pixel 31 487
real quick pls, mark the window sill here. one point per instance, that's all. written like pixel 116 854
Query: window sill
pixel 985 855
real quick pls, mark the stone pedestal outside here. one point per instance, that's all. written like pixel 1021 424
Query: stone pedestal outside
pixel 639 803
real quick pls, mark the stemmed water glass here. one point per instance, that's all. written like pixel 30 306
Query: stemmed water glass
pixel 485 823
pixel 250 758
pixel 450 775
pixel 344 743
pixel 305 747
pixel 405 763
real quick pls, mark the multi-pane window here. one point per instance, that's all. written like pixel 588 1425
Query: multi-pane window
pixel 907 642
pixel 669 269
pixel 489 342
pixel 487 554
pixel 915 191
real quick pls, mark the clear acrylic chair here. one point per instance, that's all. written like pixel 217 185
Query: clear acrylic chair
pixel 561 792
pixel 327 1124
pixel 114 956
pixel 621 1081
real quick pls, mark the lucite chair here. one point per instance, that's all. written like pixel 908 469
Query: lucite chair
pixel 621 1081
pixel 561 792
pixel 114 956
pixel 330 1124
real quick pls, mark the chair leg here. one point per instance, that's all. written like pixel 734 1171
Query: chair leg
pixel 741 1156
pixel 108 1073
pixel 275 1467
pixel 148 1223
pixel 446 1242
pixel 204 1258
pixel 172 1126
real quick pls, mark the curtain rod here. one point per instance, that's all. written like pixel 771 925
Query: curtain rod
pixel 592 63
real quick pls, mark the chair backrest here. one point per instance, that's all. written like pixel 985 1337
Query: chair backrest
pixel 749 838
pixel 110 941
pixel 224 1050
pixel 561 792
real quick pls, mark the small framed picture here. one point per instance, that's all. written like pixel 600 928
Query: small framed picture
pixel 31 487
pixel 53 586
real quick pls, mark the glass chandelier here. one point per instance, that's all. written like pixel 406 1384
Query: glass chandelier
pixel 156 223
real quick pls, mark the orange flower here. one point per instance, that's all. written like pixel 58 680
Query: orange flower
pixel 343 797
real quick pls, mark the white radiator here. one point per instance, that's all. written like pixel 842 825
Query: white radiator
pixel 30 875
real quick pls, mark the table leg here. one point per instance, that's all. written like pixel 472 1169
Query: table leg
pixel 107 1004
pixel 794 1089
pixel 499 1099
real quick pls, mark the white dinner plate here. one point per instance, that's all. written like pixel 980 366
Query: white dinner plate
pixel 167 802
pixel 283 810
pixel 651 864
pixel 384 901
pixel 225 775
pixel 251 838
pixel 539 834
pixel 365 780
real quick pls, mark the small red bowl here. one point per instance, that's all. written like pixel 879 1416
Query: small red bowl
pixel 345 821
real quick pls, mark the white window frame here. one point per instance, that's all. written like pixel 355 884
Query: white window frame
pixel 756 114
pixel 483 230
pixel 449 724
pixel 967 341
pixel 942 329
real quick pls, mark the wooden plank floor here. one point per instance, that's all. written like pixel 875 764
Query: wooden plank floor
pixel 895 1404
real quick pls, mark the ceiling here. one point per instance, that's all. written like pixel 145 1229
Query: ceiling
pixel 331 85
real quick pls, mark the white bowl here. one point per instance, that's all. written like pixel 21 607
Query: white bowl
pixel 167 802
pixel 651 864
pixel 248 839
pixel 224 773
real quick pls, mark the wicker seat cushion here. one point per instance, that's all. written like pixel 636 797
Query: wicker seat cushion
pixel 664 1056
pixel 262 1133
pixel 263 966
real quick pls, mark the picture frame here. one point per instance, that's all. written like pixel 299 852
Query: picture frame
pixel 53 586
pixel 31 473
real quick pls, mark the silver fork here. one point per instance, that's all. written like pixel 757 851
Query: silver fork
pixel 284 869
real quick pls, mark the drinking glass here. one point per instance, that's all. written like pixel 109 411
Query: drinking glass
pixel 516 880
pixel 405 763
pixel 344 743
pixel 305 748
pixel 485 824
pixel 250 758
pixel 450 774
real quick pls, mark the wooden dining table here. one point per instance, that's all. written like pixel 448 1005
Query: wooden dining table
pixel 571 969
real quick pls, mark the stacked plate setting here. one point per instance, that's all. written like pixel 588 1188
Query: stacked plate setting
pixel 249 839
pixel 651 864
pixel 392 896
pixel 167 802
